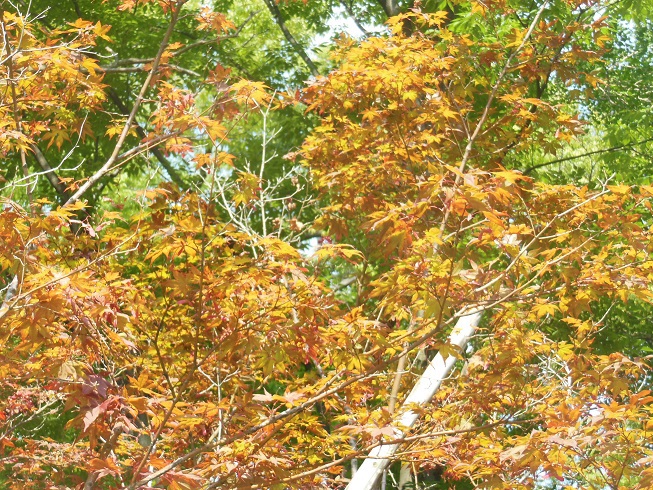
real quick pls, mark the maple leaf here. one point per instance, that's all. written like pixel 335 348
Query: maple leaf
pixel 265 397
pixel 57 137
pixel 101 31
pixel 378 432
pixel 251 93
pixel 103 467
pixel 542 310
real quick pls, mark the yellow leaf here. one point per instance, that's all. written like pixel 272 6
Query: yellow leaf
pixel 251 93
pixel 478 8
pixel 542 310
pixel 279 248
pixel 216 131
pixel 101 31
pixel 337 250
pixel 619 189
pixel 91 65
pixel 493 218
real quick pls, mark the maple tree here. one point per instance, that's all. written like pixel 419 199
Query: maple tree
pixel 194 335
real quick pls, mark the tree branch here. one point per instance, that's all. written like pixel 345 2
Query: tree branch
pixel 352 14
pixel 330 388
pixel 132 115
pixel 423 391
pixel 390 7
pixel 78 11
pixel 439 368
pixel 113 67
pixel 50 173
pixel 589 153
pixel 276 13
pixel 136 69
pixel 165 163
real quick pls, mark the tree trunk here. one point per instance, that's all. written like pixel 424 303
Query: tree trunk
pixel 423 391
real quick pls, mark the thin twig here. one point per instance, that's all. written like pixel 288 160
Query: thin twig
pixel 132 115
pixel 589 153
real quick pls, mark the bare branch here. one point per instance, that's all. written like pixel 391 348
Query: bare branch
pixel 50 173
pixel 587 154
pixel 390 7
pixel 113 67
pixel 352 14
pixel 276 13
pixel 165 163
pixel 132 115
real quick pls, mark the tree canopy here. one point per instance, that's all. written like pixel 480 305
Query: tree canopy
pixel 245 247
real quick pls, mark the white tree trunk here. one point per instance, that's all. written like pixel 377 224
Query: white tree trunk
pixel 423 391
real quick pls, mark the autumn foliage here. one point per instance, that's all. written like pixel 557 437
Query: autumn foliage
pixel 196 342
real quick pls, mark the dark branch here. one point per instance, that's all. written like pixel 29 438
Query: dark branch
pixel 165 163
pixel 131 118
pixel 390 7
pixel 590 153
pixel 351 14
pixel 136 69
pixel 50 173
pixel 78 11
pixel 276 13
pixel 127 62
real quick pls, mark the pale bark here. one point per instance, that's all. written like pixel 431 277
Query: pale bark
pixel 435 373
